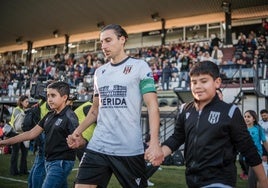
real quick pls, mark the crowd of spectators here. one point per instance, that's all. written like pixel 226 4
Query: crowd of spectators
pixel 170 63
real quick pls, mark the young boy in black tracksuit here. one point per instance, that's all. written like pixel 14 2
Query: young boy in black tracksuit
pixel 213 131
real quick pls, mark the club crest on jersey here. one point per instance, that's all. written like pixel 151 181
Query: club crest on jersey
pixel 214 117
pixel 58 122
pixel 138 181
pixel 127 69
pixel 150 75
pixel 103 71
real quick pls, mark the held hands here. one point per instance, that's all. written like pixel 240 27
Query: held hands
pixel 75 140
pixel 3 143
pixel 154 154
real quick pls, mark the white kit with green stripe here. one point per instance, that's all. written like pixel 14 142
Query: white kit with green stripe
pixel 120 88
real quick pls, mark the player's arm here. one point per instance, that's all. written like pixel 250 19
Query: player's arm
pixel 154 152
pixel 76 139
pixel 90 118
pixel 150 100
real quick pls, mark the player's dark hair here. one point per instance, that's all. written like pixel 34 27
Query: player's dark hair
pixel 119 31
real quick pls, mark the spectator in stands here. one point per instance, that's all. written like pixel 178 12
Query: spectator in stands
pixel 199 56
pixel 155 73
pixel 230 62
pixel 184 60
pixel 251 43
pixel 174 72
pixel 11 91
pixel 217 55
pixel 263 30
pixel 206 48
pixel 245 60
pixel 166 75
pixel 216 41
pixel 206 57
pixel 262 41
pixel 206 165
pixel 20 80
pixel 242 41
pixel 22 105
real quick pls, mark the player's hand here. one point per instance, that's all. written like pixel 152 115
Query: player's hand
pixel 154 154
pixel 75 140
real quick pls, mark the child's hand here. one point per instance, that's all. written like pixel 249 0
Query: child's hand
pixel 75 141
pixel 2 143
pixel 154 154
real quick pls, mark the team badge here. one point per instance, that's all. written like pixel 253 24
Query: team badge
pixel 187 115
pixel 58 122
pixel 214 117
pixel 127 69
pixel 138 181
pixel 150 75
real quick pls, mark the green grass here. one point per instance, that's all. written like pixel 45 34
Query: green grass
pixel 168 177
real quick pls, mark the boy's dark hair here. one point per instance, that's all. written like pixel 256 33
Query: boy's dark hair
pixel 119 31
pixel 264 111
pixel 205 67
pixel 62 87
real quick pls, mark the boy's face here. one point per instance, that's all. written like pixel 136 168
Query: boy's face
pixel 55 101
pixel 203 87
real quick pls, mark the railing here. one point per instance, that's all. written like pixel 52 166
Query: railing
pixel 167 124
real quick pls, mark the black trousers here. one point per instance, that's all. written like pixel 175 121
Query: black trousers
pixel 15 157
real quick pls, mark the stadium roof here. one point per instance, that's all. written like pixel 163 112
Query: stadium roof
pixel 32 20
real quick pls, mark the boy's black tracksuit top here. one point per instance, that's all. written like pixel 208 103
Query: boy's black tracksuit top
pixel 212 139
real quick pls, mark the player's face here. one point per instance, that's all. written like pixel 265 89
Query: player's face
pixel 204 87
pixel 111 44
